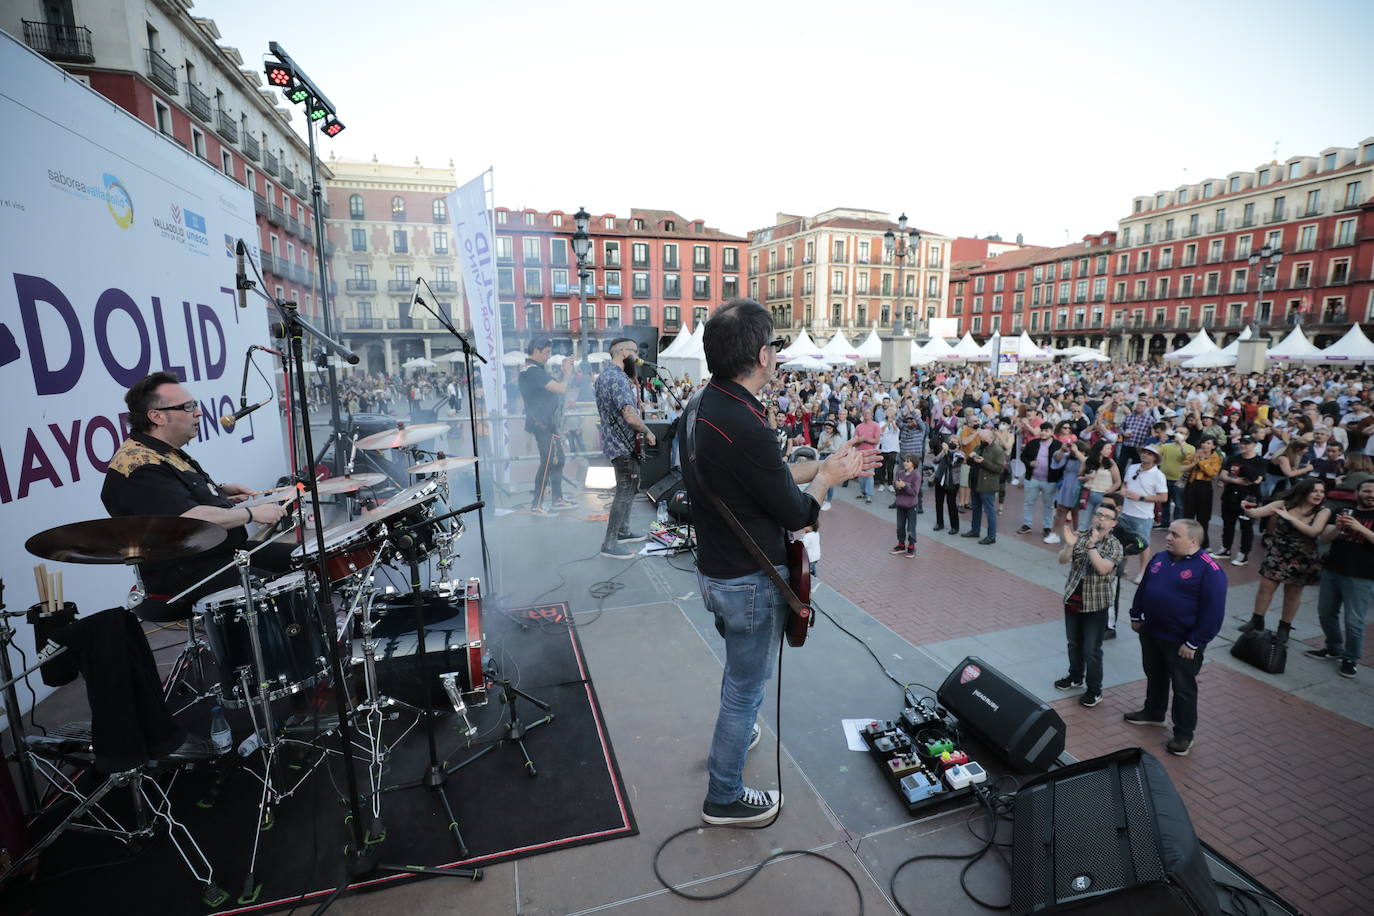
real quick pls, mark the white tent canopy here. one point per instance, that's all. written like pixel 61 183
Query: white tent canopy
pixel 1232 348
pixel 1354 347
pixel 1201 343
pixel 690 360
pixel 872 346
pixel 1213 359
pixel 839 350
pixel 935 348
pixel 807 363
pixel 418 362
pixel 513 358
pixel 1026 350
pixel 967 348
pixel 684 334
pixel 802 346
pixel 1091 356
pixel 1295 347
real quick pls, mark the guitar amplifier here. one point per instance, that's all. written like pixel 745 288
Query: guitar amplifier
pixel 657 457
pixel 1024 731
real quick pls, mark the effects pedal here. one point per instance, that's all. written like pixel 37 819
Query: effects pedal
pixel 938 746
pixel 962 775
pixel 904 765
pixel 919 786
pixel 915 718
pixel 953 758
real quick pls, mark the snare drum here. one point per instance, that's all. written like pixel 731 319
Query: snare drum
pixel 452 646
pixel 346 551
pixel 293 649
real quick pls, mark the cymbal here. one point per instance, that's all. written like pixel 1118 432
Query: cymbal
pixel 441 464
pixel 403 436
pixel 348 483
pixel 278 495
pixel 129 539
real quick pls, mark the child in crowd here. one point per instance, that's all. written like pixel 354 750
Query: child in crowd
pixel 907 485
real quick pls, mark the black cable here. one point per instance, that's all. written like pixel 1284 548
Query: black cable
pixel 970 859
pixel 869 649
pixel 33 706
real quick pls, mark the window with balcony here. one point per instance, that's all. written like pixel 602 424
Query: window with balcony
pixel 837 250
pixel 1184 317
pixel 729 288
pixel 1215 250
pixel 558 280
pixel 997 303
pixel 1345 232
pixel 505 280
pixel 998 283
pixel 730 258
pixel 1340 272
pixel 1144 261
pixel 440 241
pixel 1302 275
pixel 1035 321
pixel 1080 291
pixel 1277 213
pixel 639 254
pixel 1064 286
pixel 1061 319
pixel 504 247
pixel 1141 288
pixel 1265 310
pixel 639 285
pixel 861 283
pixel 1035 295
pixel 670 261
pixel 1193 220
pixel 1162 288
pixel 1307 238
pixel 1039 274
pixel 1168 229
pixel 529 250
pixel 1314 202
pixel 1185 285
pixel 701 286
pixel 837 281
pixel 534 282
pixel 399 242
pixel 701 257
pixel 439 209
pixel 612 279
pixel 398 209
pixel 978 284
pixel 672 286
pixel 1243 247
pixel 1213 284
pixel 641 314
pixel 1147 235
pixel 977 304
pixel 359 239
pixel 1099 289
pixel 1219 220
pixel 958 306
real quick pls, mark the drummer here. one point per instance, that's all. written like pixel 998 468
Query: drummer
pixel 150 474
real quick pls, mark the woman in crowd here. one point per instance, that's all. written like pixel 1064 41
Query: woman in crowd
pixel 1100 474
pixel 1291 559
pixel 1291 463
pixel 1070 488
pixel 1200 470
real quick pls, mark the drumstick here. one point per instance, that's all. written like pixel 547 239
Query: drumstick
pixel 61 605
pixel 41 581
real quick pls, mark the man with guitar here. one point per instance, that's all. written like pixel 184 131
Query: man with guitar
pixel 543 396
pixel 623 436
pixel 745 500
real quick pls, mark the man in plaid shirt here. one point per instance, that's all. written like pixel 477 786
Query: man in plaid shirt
pixel 1095 554
pixel 1135 429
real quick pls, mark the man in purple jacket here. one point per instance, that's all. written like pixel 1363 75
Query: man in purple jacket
pixel 1178 609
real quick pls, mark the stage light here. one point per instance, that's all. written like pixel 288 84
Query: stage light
pixel 297 94
pixel 316 111
pixel 279 74
pixel 332 126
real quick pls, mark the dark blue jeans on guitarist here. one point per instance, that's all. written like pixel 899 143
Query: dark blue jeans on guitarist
pixel 626 486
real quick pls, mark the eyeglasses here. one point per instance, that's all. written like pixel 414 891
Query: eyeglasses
pixel 777 343
pixel 189 407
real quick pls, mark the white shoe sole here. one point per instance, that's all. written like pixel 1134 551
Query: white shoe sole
pixel 767 814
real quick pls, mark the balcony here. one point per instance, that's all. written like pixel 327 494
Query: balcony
pixel 328 248
pixel 1312 211
pixel 293 226
pixel 288 179
pixel 363 324
pixel 399 286
pixel 70 43
pixel 269 163
pixel 260 205
pixel 198 102
pixel 307 234
pixel 227 128
pixel 267 262
pixel 162 73
pixel 360 286
pixel 250 147
pixel 276 215
pixel 324 209
pixel 302 189
pixel 1189 233
pixel 444 286
pixel 1274 218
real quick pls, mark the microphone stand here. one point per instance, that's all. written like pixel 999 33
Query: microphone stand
pixel 469 352
pixel 360 860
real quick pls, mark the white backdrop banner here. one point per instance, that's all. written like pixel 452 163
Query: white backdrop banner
pixel 476 235
pixel 116 261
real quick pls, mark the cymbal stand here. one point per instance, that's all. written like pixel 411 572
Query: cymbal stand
pixel 15 714
pixel 515 730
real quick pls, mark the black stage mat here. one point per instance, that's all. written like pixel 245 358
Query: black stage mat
pixel 578 797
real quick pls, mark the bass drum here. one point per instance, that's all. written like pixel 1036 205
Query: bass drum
pixel 454 645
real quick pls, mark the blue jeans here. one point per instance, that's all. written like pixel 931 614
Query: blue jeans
pixel 984 504
pixel 1084 632
pixel 906 525
pixel 1173 506
pixel 1043 489
pixel 1094 500
pixel 866 487
pixel 749 613
pixel 1353 595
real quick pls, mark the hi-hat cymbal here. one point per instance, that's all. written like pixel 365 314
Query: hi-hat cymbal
pixel 130 539
pixel 348 483
pixel 403 436
pixel 441 464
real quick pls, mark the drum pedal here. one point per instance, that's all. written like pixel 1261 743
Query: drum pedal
pixel 450 682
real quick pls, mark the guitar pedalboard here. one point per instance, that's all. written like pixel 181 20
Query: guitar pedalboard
pixel 920 757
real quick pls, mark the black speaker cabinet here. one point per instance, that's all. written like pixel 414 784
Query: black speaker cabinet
pixel 664 486
pixel 1107 837
pixel 1024 732
pixel 658 458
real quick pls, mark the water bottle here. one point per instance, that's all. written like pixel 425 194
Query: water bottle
pixel 220 735
pixel 663 511
pixel 250 744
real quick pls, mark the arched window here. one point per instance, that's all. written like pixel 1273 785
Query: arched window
pixel 440 210
pixel 355 206
pixel 398 208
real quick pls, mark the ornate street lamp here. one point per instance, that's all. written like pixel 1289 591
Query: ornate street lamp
pixel 901 245
pixel 1267 260
pixel 582 244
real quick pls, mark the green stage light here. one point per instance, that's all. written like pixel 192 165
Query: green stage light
pixel 298 94
pixel 316 111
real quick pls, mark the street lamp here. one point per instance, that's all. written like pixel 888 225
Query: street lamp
pixel 910 245
pixel 1267 260
pixel 582 243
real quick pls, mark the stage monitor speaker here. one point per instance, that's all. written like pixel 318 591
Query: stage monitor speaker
pixel 646 336
pixel 1107 837
pixel 664 486
pixel 658 458
pixel 1025 732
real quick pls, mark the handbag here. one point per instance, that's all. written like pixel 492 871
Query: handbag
pixel 1262 648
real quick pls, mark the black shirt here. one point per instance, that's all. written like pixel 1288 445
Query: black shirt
pixel 1351 555
pixel 540 402
pixel 149 477
pixel 1250 469
pixel 737 455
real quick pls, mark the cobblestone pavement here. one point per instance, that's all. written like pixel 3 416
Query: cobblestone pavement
pixel 1282 785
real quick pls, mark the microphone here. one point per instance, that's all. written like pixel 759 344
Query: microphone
pixel 241 280
pixel 230 420
pixel 645 362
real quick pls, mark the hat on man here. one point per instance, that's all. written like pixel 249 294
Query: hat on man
pixel 1247 440
pixel 1151 448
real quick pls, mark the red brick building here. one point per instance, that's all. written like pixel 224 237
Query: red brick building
pixel 176 78
pixel 649 269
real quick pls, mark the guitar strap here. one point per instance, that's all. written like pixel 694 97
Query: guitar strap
pixel 755 551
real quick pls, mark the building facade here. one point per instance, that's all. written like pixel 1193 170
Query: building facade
pixel 652 268
pixel 390 226
pixel 1183 255
pixel 831 272
pixel 1051 293
pixel 166 67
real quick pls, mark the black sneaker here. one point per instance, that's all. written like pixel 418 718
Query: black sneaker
pixel 1323 654
pixel 1110 634
pixel 1240 559
pixel 1254 623
pixel 1179 747
pixel 1068 683
pixel 754 806
pixel 954 532
pixel 1024 529
pixel 1090 699
pixel 900 548
pixel 939 528
pixel 969 534
pixel 629 537
pixel 1348 669
pixel 988 540
pixel 1223 553
pixel 1140 718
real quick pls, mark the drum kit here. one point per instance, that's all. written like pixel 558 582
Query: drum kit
pixel 420 652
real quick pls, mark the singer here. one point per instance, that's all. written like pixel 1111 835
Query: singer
pixel 150 474
pixel 618 408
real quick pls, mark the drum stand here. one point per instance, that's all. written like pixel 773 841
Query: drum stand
pixel 515 729
pixel 435 776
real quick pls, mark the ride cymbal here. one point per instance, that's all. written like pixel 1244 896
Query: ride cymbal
pixel 403 436
pixel 129 539
pixel 441 464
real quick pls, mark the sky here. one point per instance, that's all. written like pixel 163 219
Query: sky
pixel 1044 119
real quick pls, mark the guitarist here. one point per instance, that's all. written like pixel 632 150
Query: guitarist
pixel 737 459
pixel 543 396
pixel 622 429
